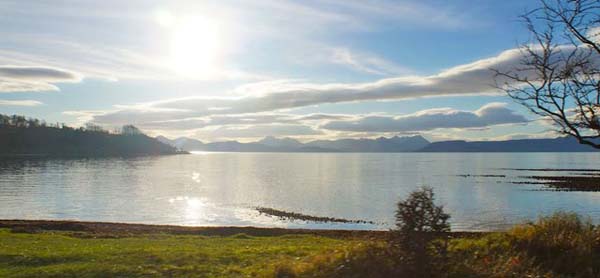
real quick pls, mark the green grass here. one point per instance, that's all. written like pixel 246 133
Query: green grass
pixel 560 245
pixel 62 254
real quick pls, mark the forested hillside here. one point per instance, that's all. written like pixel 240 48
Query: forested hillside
pixel 20 136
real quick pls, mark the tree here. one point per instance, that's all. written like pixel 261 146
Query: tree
pixel 419 213
pixel 4 121
pixel 18 121
pixel 91 127
pixel 131 130
pixel 418 221
pixel 559 75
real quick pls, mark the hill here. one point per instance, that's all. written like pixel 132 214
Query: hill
pixel 394 144
pixel 272 144
pixel 30 137
pixel 381 144
pixel 560 144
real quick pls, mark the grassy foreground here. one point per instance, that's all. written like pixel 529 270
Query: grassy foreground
pixel 561 245
pixel 81 254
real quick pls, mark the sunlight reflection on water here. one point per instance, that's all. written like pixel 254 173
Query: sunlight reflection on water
pixel 224 188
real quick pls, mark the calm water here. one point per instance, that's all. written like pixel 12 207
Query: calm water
pixel 224 188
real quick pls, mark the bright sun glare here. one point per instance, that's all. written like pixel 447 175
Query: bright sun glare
pixel 194 45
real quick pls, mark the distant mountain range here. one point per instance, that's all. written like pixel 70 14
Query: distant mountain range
pixel 560 144
pixel 272 144
pixel 394 144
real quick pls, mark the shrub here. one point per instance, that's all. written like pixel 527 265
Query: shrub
pixel 561 245
pixel 418 221
pixel 562 242
pixel 371 260
pixel 418 213
pixel 490 255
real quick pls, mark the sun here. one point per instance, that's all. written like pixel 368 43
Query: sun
pixel 195 45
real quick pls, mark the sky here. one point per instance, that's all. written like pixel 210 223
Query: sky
pixel 243 70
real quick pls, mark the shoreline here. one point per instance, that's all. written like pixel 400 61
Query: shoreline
pixel 127 229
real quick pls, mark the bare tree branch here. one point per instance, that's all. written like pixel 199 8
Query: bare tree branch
pixel 559 76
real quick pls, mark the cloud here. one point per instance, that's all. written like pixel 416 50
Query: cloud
pixel 307 19
pixel 33 78
pixel 251 27
pixel 322 116
pixel 488 115
pixel 110 63
pixel 335 56
pixel 408 13
pixel 267 102
pixel 367 63
pixel 36 73
pixel 319 125
pixel 475 78
pixel 257 131
pixel 20 103
pixel 219 120
pixel 83 116
pixel 440 123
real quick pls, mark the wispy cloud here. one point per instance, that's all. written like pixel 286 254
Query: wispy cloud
pixel 106 62
pixel 27 103
pixel 367 63
pixel 406 12
pixel 225 120
pixel 33 78
pixel 364 15
pixel 114 55
pixel 256 131
pixel 36 73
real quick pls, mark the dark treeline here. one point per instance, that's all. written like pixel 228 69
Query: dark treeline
pixel 21 136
